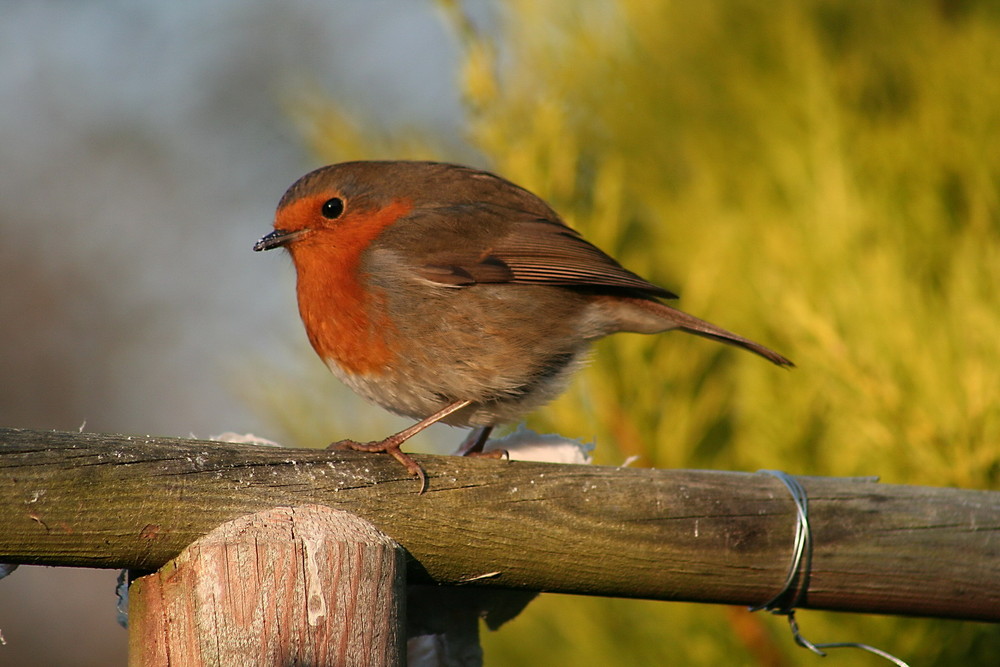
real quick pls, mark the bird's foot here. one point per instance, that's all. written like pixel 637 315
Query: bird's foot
pixel 388 446
pixel 490 454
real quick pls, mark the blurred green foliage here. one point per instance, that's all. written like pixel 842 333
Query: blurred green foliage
pixel 822 176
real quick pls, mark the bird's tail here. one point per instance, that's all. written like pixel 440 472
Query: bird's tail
pixel 665 318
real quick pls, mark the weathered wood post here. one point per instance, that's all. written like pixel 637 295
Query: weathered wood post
pixel 304 585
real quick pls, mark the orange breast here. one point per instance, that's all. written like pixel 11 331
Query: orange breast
pixel 346 322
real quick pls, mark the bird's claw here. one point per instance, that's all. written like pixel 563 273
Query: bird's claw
pixel 489 454
pixel 389 447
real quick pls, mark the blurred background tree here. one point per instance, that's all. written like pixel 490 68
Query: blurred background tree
pixel 822 176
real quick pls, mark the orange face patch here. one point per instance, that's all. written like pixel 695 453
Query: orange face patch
pixel 345 322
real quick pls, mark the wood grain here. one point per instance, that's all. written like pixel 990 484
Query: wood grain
pixel 285 586
pixel 125 501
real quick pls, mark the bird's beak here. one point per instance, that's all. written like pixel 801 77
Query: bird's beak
pixel 276 239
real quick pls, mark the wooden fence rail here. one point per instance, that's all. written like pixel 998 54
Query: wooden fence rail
pixel 115 501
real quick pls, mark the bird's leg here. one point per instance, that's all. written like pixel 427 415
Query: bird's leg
pixel 391 445
pixel 474 442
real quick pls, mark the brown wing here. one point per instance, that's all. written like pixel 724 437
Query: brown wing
pixel 501 250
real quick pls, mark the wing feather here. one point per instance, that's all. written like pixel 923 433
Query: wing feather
pixel 527 251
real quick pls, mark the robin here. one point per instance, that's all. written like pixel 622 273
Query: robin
pixel 448 294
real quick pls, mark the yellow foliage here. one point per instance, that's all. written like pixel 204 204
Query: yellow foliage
pixel 819 175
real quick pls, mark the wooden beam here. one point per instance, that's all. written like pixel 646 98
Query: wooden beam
pixel 301 585
pixel 84 499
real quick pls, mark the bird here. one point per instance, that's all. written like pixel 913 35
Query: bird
pixel 446 293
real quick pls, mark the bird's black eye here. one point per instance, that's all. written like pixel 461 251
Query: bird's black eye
pixel 332 208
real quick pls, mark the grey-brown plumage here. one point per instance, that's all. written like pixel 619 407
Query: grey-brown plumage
pixel 426 285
